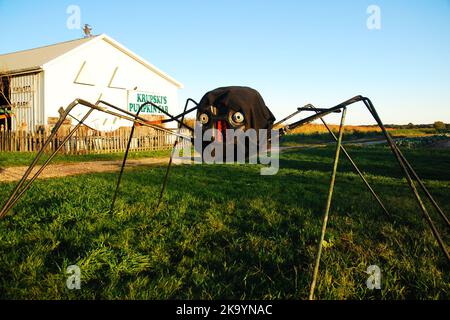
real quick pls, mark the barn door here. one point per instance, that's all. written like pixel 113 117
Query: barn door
pixel 5 107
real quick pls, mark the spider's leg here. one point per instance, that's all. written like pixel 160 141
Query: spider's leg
pixel 425 190
pixel 320 114
pixel 16 194
pixel 288 117
pixel 185 112
pixel 175 118
pixel 402 158
pixel 140 119
pixel 163 188
pixel 306 107
pixel 347 155
pixel 122 168
pixel 172 118
pixel 404 166
pixel 327 208
pixel 124 114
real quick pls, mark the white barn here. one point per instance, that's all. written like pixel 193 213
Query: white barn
pixel 39 81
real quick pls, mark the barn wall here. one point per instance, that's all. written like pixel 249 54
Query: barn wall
pixel 100 70
pixel 26 95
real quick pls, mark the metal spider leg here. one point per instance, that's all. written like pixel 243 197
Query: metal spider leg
pixel 347 155
pixel 16 194
pixel 136 116
pixel 181 123
pixel 404 166
pixel 327 208
pixel 122 168
pixel 400 158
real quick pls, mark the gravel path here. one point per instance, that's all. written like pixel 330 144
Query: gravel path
pixel 70 169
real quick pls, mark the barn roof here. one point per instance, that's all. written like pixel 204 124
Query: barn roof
pixel 36 59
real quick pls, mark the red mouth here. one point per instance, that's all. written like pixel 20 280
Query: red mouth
pixel 221 130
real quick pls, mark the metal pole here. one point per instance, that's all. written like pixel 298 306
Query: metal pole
pixel 63 115
pixel 38 156
pixel 327 208
pixel 140 119
pixel 6 208
pixel 425 190
pixel 163 188
pixel 356 168
pixel 288 117
pixel 321 114
pixel 401 161
pixel 172 118
pixel 124 162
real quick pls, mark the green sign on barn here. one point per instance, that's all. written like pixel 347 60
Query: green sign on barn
pixel 137 98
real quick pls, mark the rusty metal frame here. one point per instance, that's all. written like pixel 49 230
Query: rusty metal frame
pixel 172 118
pixel 406 167
pixel 20 188
pixel 409 172
pixel 328 205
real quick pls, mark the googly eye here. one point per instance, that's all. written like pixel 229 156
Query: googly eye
pixel 238 117
pixel 204 119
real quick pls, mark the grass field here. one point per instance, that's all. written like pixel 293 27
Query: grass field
pixel 227 232
pixel 362 131
pixel 12 159
pixel 317 133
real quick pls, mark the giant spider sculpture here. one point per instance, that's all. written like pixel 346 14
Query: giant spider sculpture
pixel 239 108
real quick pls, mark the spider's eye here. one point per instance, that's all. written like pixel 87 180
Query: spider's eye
pixel 237 118
pixel 204 119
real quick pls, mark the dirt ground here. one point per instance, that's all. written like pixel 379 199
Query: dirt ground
pixel 10 174
pixel 71 169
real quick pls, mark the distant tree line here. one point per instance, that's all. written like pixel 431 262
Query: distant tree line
pixel 438 126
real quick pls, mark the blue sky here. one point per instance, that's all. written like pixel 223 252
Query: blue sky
pixel 293 52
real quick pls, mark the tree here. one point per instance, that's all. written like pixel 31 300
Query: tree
pixel 439 126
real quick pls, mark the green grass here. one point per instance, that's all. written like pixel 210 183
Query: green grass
pixel 311 138
pixel 227 232
pixel 414 132
pixel 314 138
pixel 12 159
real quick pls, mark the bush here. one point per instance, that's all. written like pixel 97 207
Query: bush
pixel 439 126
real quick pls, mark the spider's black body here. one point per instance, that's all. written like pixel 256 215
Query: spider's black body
pixel 237 108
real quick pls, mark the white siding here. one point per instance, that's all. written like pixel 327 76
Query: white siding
pixel 27 100
pixel 100 61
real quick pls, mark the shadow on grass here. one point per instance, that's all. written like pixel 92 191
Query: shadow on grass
pixel 374 160
pixel 223 231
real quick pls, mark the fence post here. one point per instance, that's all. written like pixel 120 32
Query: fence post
pixel 86 142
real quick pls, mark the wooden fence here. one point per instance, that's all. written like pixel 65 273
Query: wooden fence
pixel 88 142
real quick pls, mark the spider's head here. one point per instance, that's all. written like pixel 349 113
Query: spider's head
pixel 236 108
pixel 222 118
